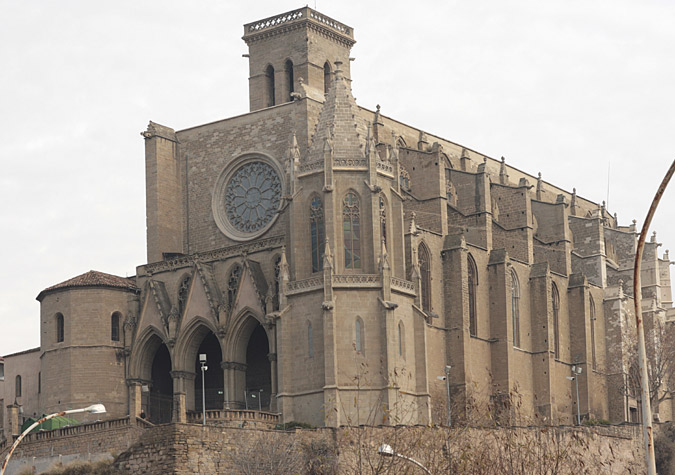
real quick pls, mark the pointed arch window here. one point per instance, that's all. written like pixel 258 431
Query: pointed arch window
pixel 310 340
pixel 317 231
pixel 269 85
pixel 17 386
pixel 555 296
pixel 115 326
pixel 515 308
pixel 424 259
pixel 401 339
pixel 383 219
pixel 472 278
pixel 277 282
pixel 358 335
pixel 352 230
pixel 233 284
pixel 183 290
pixel 288 70
pixel 60 328
pixel 326 77
pixel 404 179
pixel 593 318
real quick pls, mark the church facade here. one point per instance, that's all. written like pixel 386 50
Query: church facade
pixel 332 263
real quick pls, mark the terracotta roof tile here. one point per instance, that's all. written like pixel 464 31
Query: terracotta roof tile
pixel 94 279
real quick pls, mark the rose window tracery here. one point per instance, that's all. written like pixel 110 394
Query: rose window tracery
pixel 252 196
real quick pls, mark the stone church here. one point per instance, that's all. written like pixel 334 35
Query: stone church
pixel 331 262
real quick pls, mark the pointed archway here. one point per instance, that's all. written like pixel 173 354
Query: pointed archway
pixel 258 370
pixel 213 376
pixel 159 399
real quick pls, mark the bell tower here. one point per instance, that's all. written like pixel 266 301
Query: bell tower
pixel 294 50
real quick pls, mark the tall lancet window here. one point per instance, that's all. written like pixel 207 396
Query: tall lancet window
pixel 233 285
pixel 277 282
pixel 515 308
pixel 472 278
pixel 269 85
pixel 318 232
pixel 383 219
pixel 183 290
pixel 556 320
pixel 326 77
pixel 424 259
pixel 289 79
pixel 593 355
pixel 352 231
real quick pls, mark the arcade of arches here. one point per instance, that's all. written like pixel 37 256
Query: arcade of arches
pixel 238 373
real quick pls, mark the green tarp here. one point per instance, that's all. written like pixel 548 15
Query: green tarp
pixel 53 423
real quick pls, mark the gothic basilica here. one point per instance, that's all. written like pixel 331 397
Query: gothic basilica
pixel 329 263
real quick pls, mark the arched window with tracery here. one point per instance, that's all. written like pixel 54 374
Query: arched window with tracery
pixel 352 230
pixel 115 326
pixel 310 339
pixel 318 232
pixel 472 278
pixel 404 179
pixel 358 335
pixel 424 260
pixel 233 284
pixel 555 296
pixel 60 328
pixel 515 307
pixel 288 70
pixel 593 318
pixel 183 289
pixel 383 219
pixel 277 282
pixel 269 85
pixel 326 77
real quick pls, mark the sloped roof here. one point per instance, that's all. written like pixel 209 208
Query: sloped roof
pixel 94 279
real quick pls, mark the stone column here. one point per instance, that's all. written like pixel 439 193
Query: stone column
pixel 13 420
pixel 180 380
pixel 235 374
pixel 135 388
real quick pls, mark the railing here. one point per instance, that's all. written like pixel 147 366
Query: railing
pixel 220 415
pixel 403 285
pixel 83 429
pixel 294 15
pixel 360 280
pixel 305 285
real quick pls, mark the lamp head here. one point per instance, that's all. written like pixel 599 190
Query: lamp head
pixel 96 409
pixel 202 357
pixel 386 450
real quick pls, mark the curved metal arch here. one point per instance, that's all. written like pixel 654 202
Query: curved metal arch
pixel 142 350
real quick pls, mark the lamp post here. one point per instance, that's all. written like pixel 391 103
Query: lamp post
pixel 576 371
pixel 93 409
pixel 202 362
pixel 386 451
pixel 446 378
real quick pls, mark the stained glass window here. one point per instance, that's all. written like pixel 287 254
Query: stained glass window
pixel 515 308
pixel 556 320
pixel 318 232
pixel 277 277
pixel 472 283
pixel 383 219
pixel 352 231
pixel 425 275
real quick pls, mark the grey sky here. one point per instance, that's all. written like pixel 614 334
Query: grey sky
pixel 562 87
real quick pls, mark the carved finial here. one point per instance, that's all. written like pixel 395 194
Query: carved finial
pixel 653 237
pixel 666 256
pixel 338 69
pixel 327 257
pixel 503 173
pixel 539 186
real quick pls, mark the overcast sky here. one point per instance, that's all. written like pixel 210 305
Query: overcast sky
pixel 571 89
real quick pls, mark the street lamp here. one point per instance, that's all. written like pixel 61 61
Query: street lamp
pixel 202 362
pixel 446 378
pixel 386 451
pixel 93 409
pixel 576 371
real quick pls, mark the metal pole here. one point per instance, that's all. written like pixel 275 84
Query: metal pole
pixel 576 380
pixel 642 353
pixel 203 399
pixel 447 386
pixel 95 409
pixel 260 400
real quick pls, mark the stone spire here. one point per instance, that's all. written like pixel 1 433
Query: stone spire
pixel 340 123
